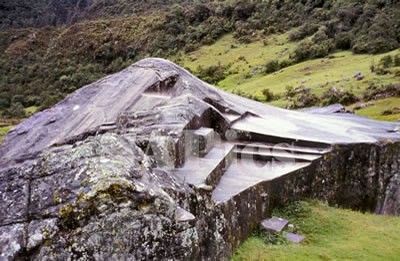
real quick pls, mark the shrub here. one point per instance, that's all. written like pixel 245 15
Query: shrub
pixel 272 66
pixel 290 92
pixel 372 67
pixel 343 41
pixel 243 11
pixel 302 98
pixel 49 101
pixel 306 49
pixel 386 61
pixel 333 96
pixel 303 50
pixel 396 60
pixel 285 63
pixel 212 74
pixel 268 95
pixel 303 31
pixel 16 110
pixel 322 49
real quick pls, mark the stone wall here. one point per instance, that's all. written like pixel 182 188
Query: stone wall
pixel 362 177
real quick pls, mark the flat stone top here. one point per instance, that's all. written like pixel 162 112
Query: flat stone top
pixel 274 224
pixel 154 83
pixel 204 131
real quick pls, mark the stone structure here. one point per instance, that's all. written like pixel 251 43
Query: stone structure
pixel 152 163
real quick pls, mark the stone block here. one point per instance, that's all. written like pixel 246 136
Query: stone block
pixel 274 225
pixel 203 141
pixel 297 239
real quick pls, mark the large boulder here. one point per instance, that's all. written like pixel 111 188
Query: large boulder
pixel 111 172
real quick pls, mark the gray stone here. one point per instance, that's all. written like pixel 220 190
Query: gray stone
pixel 38 231
pixel 274 225
pixel 183 215
pixel 297 239
pixel 109 172
pixel 203 141
pixel 11 241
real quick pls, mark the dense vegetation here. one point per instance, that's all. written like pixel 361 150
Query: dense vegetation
pixel 37 13
pixel 39 66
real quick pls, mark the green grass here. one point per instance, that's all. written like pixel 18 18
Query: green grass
pixel 256 53
pixel 31 110
pixel 320 74
pixel 379 106
pixel 332 234
pixel 4 131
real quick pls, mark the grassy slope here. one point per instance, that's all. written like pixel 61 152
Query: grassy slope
pixel 375 111
pixel 4 131
pixel 319 74
pixel 332 234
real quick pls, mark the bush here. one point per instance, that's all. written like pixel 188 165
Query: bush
pixel 303 31
pixel 16 110
pixel 303 50
pixel 49 101
pixel 334 96
pixel 285 63
pixel 365 44
pixel 322 49
pixel 290 92
pixel 386 62
pixel 272 66
pixel 243 11
pixel 303 98
pixel 268 95
pixel 306 49
pixel 212 74
pixel 343 41
pixel 396 60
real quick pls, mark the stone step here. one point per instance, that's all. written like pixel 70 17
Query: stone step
pixel 249 136
pixel 207 170
pixel 279 155
pixel 283 147
pixel 243 174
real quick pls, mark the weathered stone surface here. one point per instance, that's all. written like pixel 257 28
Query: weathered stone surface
pixel 274 225
pixel 11 241
pixel 203 141
pixel 39 231
pixel 110 173
pixel 184 216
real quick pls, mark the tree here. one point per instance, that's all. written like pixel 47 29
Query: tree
pixel 16 110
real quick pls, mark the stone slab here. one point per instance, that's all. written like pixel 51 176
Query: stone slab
pixel 274 225
pixel 297 239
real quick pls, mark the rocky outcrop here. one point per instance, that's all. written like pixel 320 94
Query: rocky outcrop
pixel 151 163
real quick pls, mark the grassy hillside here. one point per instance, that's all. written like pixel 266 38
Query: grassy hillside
pixel 331 234
pixel 39 13
pixel 309 47
pixel 3 132
pixel 244 71
pixel 40 66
